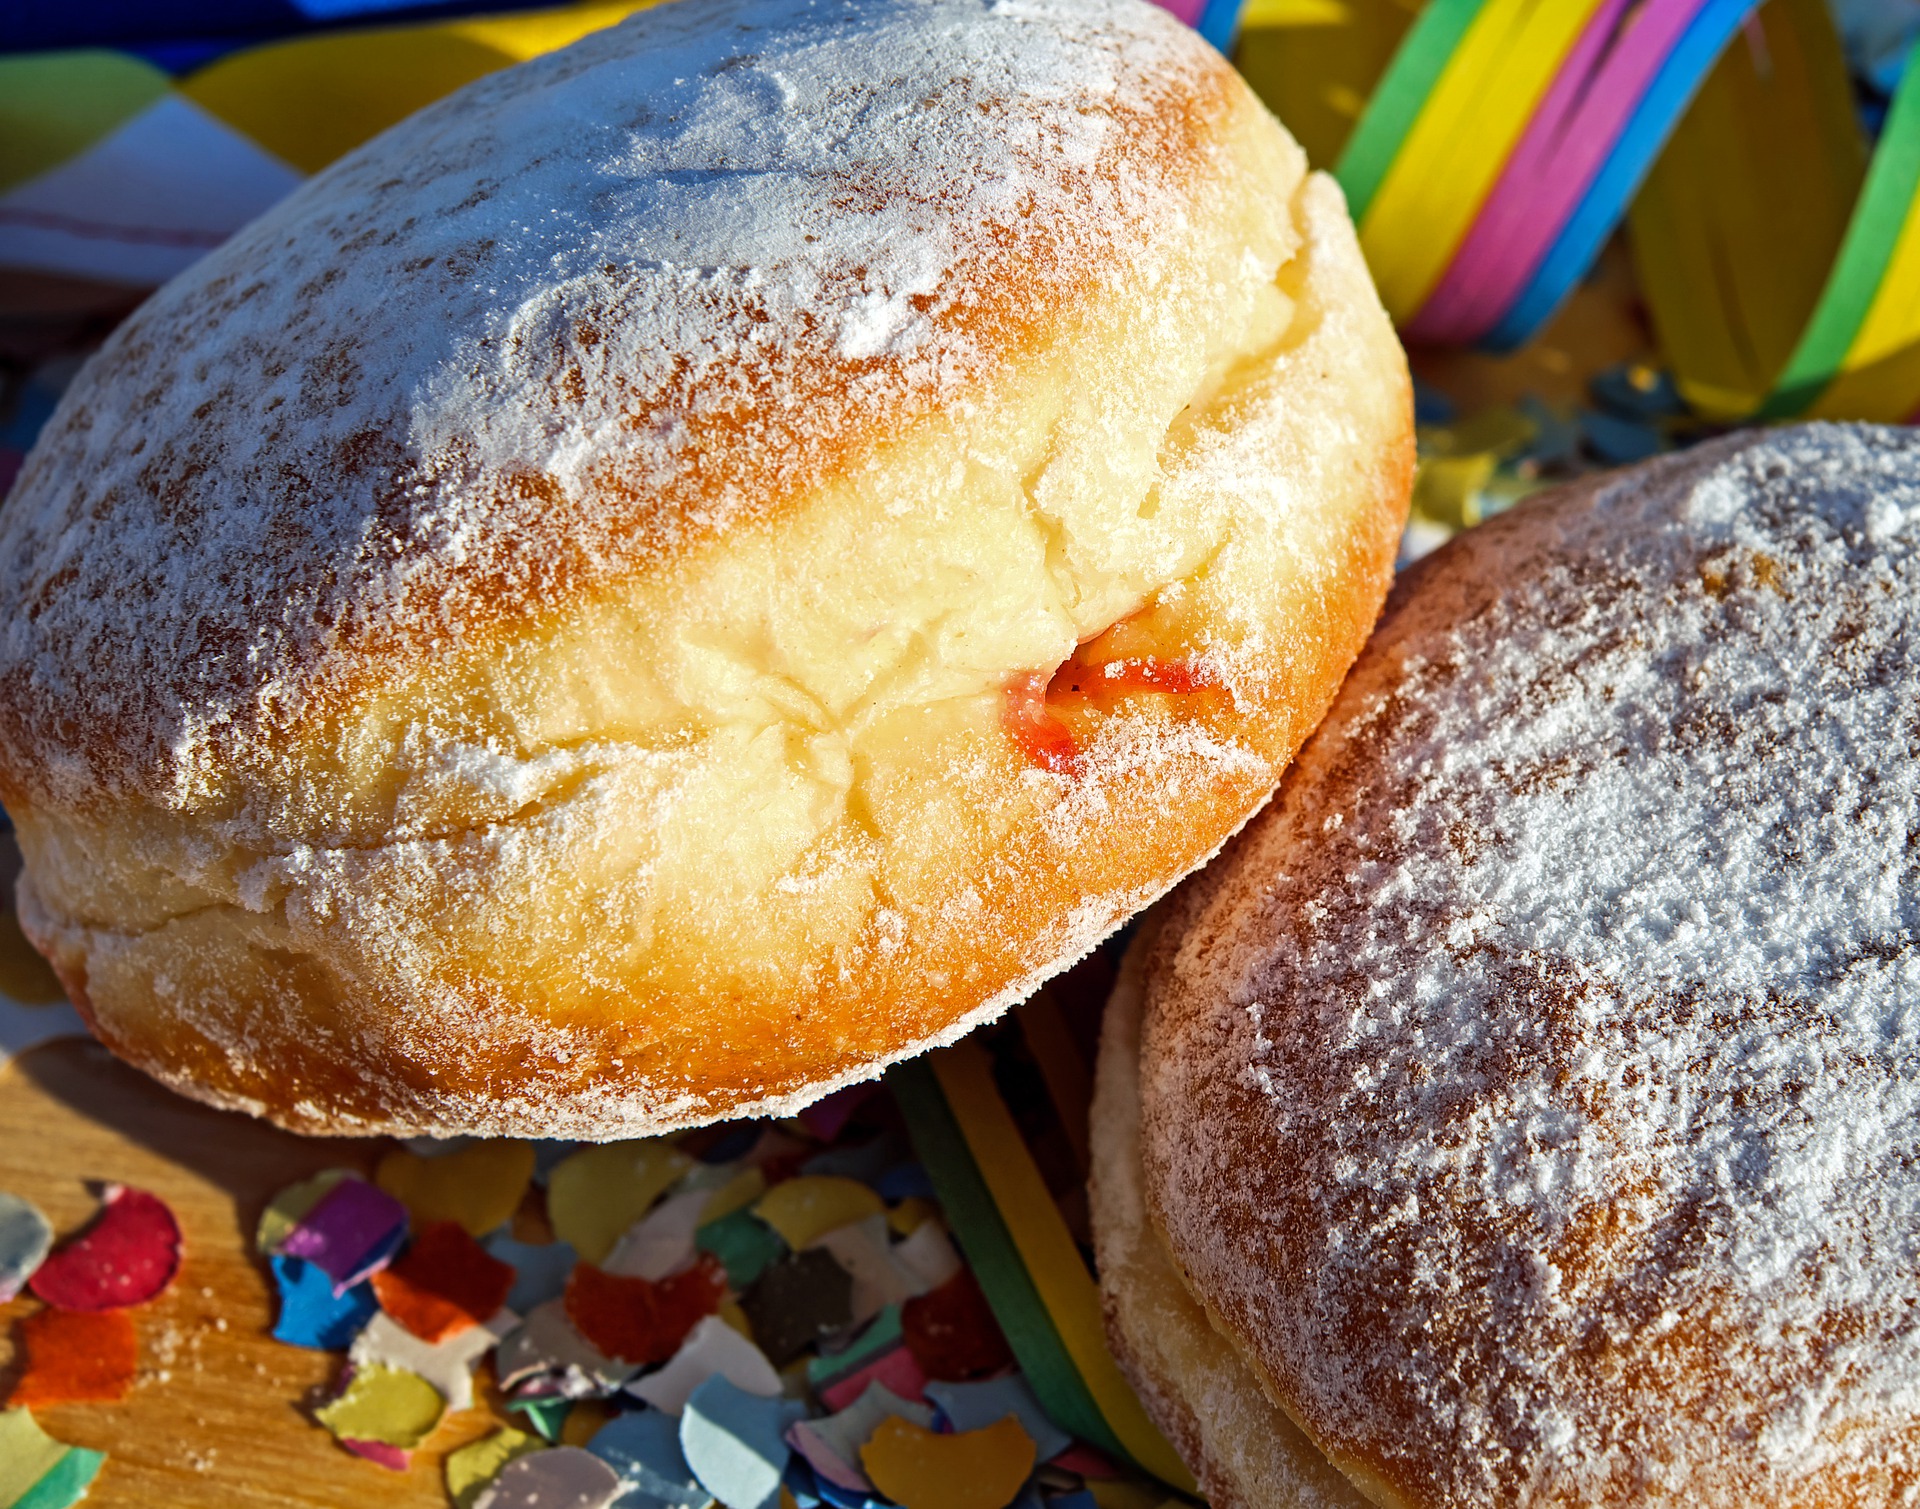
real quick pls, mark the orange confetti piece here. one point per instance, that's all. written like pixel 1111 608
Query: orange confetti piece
pixel 76 1357
pixel 975 1469
pixel 444 1284
pixel 639 1321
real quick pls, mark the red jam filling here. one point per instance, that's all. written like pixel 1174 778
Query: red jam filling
pixel 1046 741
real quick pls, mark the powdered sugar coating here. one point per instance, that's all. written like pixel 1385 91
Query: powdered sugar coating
pixel 1537 1094
pixel 554 330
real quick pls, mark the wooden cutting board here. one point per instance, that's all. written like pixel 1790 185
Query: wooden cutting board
pixel 219 1416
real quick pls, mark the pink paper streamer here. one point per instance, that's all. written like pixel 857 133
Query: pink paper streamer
pixel 1562 150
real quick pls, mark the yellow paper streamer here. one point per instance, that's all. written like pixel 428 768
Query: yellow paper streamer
pixel 1453 155
pixel 1047 1249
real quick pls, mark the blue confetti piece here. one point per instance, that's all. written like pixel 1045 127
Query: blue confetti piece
pixel 311 1314
pixel 865 1163
pixel 735 1144
pixel 975 1406
pixel 1431 406
pixel 540 1269
pixel 903 1181
pixel 1078 1499
pixel 833 1495
pixel 644 1448
pixel 1618 441
pixel 736 1443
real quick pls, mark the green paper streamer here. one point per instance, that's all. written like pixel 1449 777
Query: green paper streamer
pixel 995 1261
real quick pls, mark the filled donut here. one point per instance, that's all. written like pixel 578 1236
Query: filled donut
pixel 1525 1109
pixel 694 567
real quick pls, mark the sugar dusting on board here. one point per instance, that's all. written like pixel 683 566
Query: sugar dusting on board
pixel 1539 1095
pixel 578 314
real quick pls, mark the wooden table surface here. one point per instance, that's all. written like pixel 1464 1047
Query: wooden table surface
pixel 219 1415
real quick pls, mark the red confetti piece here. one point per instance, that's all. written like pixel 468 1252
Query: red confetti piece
pixel 444 1284
pixel 126 1257
pixel 641 1322
pixel 1035 731
pixel 76 1357
pixel 952 1333
pixel 393 1458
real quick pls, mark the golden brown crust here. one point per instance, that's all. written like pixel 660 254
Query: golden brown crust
pixel 1241 1447
pixel 1529 1097
pixel 701 801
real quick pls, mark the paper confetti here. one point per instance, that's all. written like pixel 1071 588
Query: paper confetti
pixel 566 1477
pixel 387 1405
pixel 895 1368
pixel 594 1195
pixel 973 1406
pixel 743 1243
pixel 469 1469
pixel 927 1256
pixel 796 1302
pixel 478 1186
pixel 662 1242
pixel 25 1238
pixel 547 1345
pixel 447 1365
pixel 547 1416
pixel 952 1333
pixel 644 1448
pixel 737 1193
pixel 351 1232
pixel 976 1469
pixel 127 1256
pixel 633 1320
pixel 805 1209
pixel 540 1270
pixel 380 1453
pixel 38 1472
pixel 832 1444
pixel 735 1442
pixel 711 1347
pixel 283 1213
pixel 312 1313
pixel 27 1454
pixel 879 1280
pixel 882 1334
pixel 76 1357
pixel 443 1284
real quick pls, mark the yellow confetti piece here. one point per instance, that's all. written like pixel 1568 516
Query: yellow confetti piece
pixel 736 1194
pixel 27 1453
pixel 478 1463
pixel 595 1195
pixel 974 1469
pixel 804 1209
pixel 293 1202
pixel 479 1185
pixel 389 1405
pixel 909 1215
pixel 734 1316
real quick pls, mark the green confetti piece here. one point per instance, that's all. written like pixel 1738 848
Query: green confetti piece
pixel 546 1416
pixel 66 1484
pixel 743 1243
